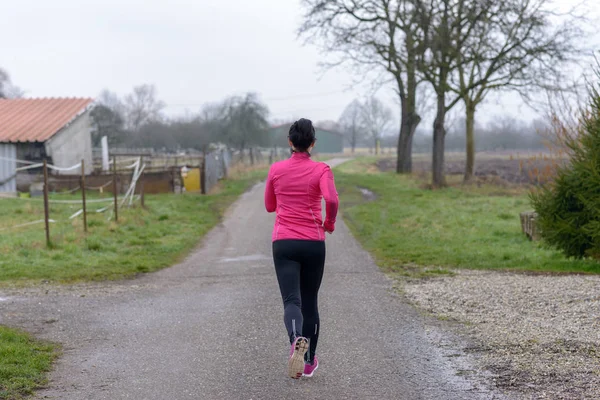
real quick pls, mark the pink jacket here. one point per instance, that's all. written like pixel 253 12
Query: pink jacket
pixel 294 190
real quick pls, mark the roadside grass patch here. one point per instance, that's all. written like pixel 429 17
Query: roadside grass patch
pixel 408 229
pixel 24 363
pixel 144 240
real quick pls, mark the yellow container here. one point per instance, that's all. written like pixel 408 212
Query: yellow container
pixel 191 179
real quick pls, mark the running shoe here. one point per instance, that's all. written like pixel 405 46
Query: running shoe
pixel 309 369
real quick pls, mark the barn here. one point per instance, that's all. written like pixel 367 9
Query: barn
pixel 32 130
pixel 328 142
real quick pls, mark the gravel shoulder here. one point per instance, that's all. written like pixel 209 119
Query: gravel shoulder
pixel 539 334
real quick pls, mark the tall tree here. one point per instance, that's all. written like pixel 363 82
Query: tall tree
pixel 107 122
pixel 515 46
pixel 244 121
pixel 351 123
pixel 377 118
pixel 142 107
pixel 447 27
pixel 108 119
pixel 373 34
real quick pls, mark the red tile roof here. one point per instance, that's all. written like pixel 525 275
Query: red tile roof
pixel 37 120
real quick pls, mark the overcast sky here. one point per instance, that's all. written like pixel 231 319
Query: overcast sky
pixel 194 51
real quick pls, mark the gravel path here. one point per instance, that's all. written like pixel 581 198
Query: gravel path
pixel 539 334
pixel 211 328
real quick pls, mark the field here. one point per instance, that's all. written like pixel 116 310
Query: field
pixel 411 230
pixel 144 240
pixel 501 167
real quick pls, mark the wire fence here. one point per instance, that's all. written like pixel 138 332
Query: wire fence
pixel 78 207
pixel 66 200
pixel 210 167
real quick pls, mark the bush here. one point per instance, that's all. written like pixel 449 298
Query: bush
pixel 569 207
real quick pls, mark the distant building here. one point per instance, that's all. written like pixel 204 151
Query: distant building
pixel 55 129
pixel 327 141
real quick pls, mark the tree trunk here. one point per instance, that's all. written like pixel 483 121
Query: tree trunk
pixel 439 133
pixel 408 127
pixel 410 121
pixel 404 156
pixel 410 118
pixel 470 165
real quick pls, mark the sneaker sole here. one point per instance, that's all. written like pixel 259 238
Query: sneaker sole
pixel 296 361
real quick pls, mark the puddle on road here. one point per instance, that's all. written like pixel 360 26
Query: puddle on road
pixel 367 194
pixel 253 257
pixel 4 299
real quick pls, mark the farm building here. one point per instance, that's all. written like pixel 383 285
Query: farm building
pixel 55 129
pixel 327 141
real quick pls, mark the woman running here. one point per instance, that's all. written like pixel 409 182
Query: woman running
pixel 294 190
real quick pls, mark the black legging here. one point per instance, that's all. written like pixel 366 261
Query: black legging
pixel 299 266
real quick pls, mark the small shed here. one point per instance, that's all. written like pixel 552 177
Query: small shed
pixel 54 129
pixel 327 141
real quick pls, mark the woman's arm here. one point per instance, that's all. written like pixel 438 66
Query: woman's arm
pixel 270 199
pixel 329 191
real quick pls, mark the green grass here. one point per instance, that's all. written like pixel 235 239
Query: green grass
pixel 23 363
pixel 142 241
pixel 408 227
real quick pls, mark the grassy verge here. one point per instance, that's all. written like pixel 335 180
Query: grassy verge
pixel 144 240
pixel 23 363
pixel 407 227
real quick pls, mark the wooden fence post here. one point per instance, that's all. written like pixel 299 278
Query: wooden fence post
pixel 115 188
pixel 83 195
pixel 46 211
pixel 203 175
pixel 142 182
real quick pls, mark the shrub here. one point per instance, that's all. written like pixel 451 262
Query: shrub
pixel 569 207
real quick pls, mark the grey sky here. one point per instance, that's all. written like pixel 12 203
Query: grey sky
pixel 194 51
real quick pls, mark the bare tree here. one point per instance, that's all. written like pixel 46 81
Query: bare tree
pixel 7 89
pixel 111 100
pixel 108 118
pixel 328 125
pixel 244 121
pixel 377 117
pixel 373 34
pixel 514 46
pixel 213 118
pixel 142 107
pixel 4 81
pixel 351 123
pixel 447 27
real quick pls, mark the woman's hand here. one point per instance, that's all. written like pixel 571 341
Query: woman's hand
pixel 329 227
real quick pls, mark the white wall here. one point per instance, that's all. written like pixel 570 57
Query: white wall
pixel 72 144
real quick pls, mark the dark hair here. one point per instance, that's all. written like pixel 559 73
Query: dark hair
pixel 302 134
